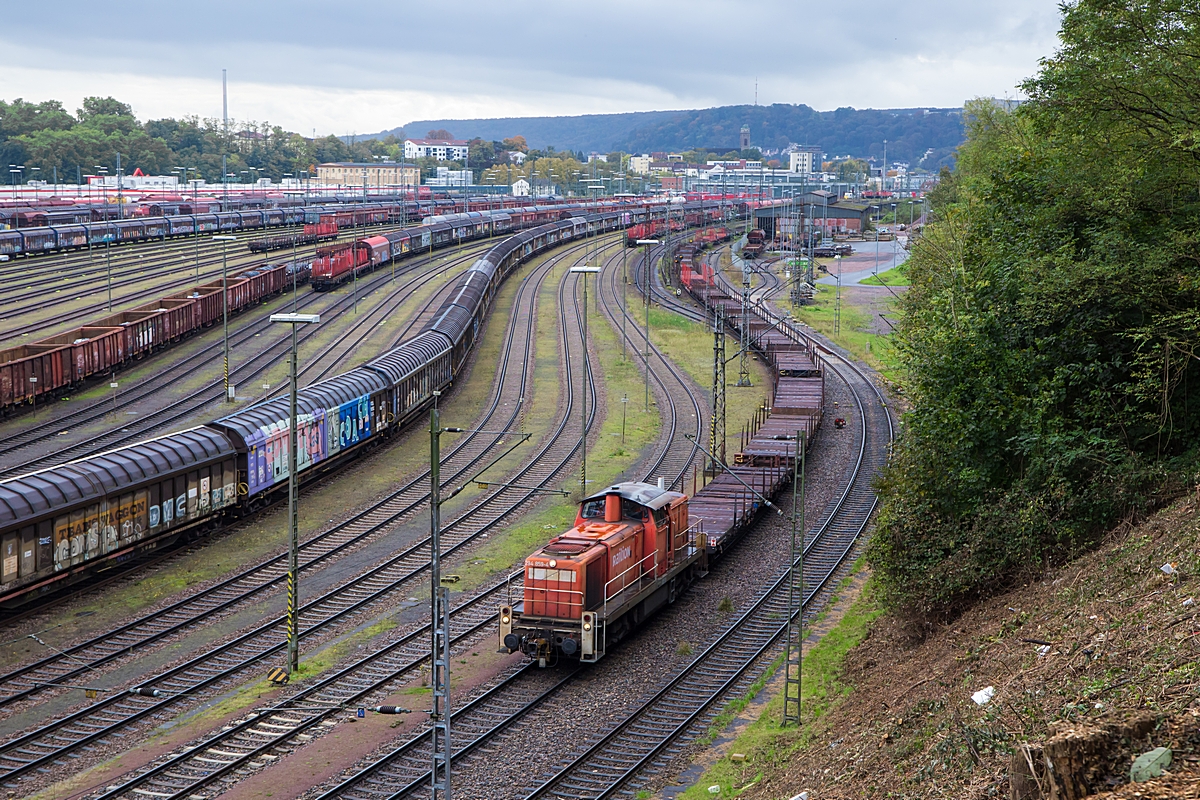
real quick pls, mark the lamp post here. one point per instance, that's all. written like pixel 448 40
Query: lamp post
pixel 646 243
pixel 837 303
pixel 293 607
pixel 225 240
pixel 583 272
pixel 108 264
pixel 13 171
pixel 624 294
pixel 103 172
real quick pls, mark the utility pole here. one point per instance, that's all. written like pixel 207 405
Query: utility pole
pixel 795 632
pixel 108 260
pixel 583 272
pixel 293 577
pixel 120 200
pixel 646 243
pixel 225 240
pixel 716 434
pixel 439 608
pixel 744 353
pixel 624 295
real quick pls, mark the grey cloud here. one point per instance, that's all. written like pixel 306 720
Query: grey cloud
pixel 671 52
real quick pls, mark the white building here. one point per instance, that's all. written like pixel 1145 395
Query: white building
pixel 441 149
pixel 639 165
pixel 520 188
pixel 804 159
pixel 516 157
pixel 451 177
pixel 160 182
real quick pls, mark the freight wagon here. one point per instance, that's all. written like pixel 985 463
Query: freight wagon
pixel 89 513
pixel 30 372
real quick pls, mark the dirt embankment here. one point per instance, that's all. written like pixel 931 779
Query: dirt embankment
pixel 1090 667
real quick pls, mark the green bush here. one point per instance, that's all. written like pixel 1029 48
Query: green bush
pixel 1051 332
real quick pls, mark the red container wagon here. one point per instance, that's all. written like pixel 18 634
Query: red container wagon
pixel 178 316
pixel 266 281
pixel 32 370
pixel 94 349
pixel 320 231
pixel 206 304
pixel 333 265
pixel 143 330
pixel 379 250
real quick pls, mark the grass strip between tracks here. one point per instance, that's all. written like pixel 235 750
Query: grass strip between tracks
pixel 361 482
pixel 608 458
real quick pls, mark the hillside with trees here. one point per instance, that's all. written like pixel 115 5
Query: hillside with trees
pixel 1051 334
pixel 48 136
pixel 910 133
pixel 586 132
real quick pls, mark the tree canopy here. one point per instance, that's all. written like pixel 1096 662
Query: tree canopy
pixel 47 136
pixel 1051 332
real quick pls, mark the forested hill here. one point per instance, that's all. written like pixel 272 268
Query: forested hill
pixel 589 132
pixel 846 131
pixel 910 133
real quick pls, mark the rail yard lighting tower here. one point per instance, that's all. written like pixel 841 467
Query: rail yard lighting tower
pixel 225 240
pixel 293 607
pixel 647 243
pixel 583 272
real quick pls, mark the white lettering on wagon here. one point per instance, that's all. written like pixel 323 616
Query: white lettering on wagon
pixel 622 554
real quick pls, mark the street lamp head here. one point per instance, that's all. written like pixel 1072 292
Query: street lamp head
pixel 585 270
pixel 222 238
pixel 296 319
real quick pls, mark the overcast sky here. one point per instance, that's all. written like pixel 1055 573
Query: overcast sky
pixel 369 66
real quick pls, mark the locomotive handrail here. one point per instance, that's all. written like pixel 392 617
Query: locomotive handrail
pixel 690 542
pixel 616 578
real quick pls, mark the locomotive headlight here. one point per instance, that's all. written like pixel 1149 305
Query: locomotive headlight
pixel 553 563
pixel 587 626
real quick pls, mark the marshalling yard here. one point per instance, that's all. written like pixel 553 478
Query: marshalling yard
pixel 556 488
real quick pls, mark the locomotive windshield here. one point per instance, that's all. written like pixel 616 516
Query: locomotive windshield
pixel 594 509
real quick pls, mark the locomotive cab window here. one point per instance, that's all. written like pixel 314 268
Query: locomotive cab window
pixel 593 509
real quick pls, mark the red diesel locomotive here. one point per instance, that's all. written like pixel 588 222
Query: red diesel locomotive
pixel 631 551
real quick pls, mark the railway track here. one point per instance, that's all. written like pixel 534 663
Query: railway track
pixel 627 758
pixel 623 759
pixel 520 691
pixel 457 460
pixel 678 453
pixel 208 766
pixel 208 257
pixel 275 352
pixel 40 748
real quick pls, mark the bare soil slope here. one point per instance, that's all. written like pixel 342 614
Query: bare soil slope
pixel 1091 666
